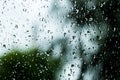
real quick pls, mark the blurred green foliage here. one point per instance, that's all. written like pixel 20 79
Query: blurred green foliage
pixel 29 65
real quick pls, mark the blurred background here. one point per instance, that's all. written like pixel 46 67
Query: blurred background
pixel 80 39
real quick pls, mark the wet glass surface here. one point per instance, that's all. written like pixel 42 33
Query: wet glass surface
pixel 59 40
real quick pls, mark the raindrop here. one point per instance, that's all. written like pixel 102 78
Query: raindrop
pixel 4 45
pixel 16 26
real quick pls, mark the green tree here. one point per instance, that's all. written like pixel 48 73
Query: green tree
pixel 29 65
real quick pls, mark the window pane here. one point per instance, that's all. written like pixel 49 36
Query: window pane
pixel 59 40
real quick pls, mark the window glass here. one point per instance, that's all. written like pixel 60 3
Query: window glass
pixel 59 40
